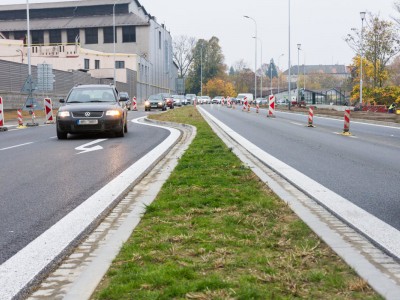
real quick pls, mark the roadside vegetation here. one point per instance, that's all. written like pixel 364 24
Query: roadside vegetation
pixel 215 231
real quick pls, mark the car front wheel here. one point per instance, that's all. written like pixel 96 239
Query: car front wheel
pixel 62 135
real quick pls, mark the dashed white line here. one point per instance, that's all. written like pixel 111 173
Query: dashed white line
pixel 16 146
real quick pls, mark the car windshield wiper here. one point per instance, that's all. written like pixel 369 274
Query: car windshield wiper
pixel 96 101
pixel 74 102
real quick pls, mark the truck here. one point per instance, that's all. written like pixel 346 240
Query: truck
pixel 241 96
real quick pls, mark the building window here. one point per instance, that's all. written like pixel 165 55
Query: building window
pixel 19 35
pixel 86 64
pixel 37 36
pixel 6 34
pixel 120 64
pixel 159 40
pixel 91 36
pixel 55 36
pixel 97 64
pixel 129 34
pixel 108 35
pixel 72 35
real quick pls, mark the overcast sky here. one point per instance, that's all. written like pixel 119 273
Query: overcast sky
pixel 319 25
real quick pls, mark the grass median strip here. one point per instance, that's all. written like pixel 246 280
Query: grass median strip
pixel 216 232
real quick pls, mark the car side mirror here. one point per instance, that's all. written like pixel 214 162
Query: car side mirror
pixel 62 101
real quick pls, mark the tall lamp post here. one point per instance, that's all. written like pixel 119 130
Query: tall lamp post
pixel 362 15
pixel 114 37
pixel 262 72
pixel 298 72
pixel 270 67
pixel 255 58
pixel 201 69
pixel 289 78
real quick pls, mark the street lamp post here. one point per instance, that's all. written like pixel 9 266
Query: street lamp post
pixel 262 72
pixel 362 15
pixel 201 69
pixel 255 58
pixel 289 78
pixel 298 72
pixel 114 38
pixel 270 74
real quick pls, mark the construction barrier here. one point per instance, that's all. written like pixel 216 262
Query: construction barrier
pixel 228 102
pixel 346 129
pixel 271 109
pixel 248 106
pixel 2 127
pixel 245 103
pixel 223 101
pixel 20 120
pixel 257 107
pixel 134 104
pixel 48 109
pixel 234 105
pixel 310 117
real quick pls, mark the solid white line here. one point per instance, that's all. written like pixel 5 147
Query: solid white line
pixel 16 146
pixel 22 269
pixel 378 231
pixel 295 123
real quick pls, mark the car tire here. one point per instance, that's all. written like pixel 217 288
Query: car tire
pixel 172 107
pixel 126 127
pixel 62 135
pixel 120 133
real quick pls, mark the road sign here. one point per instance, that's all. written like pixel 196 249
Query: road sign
pixel 180 86
pixel 45 77
pixel 29 85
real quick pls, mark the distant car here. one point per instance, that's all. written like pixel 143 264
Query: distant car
pixel 217 100
pixel 282 102
pixel 261 101
pixel 124 97
pixel 205 99
pixel 178 99
pixel 191 98
pixel 90 109
pixel 155 101
pixel 168 99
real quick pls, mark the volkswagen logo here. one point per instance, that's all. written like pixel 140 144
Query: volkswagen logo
pixel 87 114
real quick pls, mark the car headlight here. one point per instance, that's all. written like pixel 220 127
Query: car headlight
pixel 159 103
pixel 63 114
pixel 114 113
pixel 146 103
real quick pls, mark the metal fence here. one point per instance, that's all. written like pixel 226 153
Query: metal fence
pixel 13 76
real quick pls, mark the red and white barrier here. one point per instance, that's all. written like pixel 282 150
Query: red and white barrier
pixel 248 106
pixel 257 107
pixel 20 120
pixel 271 108
pixel 223 101
pixel 134 104
pixel 228 102
pixel 2 127
pixel 311 116
pixel 48 109
pixel 346 129
pixel 245 103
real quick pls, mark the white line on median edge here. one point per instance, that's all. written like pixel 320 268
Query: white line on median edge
pixel 22 269
pixel 378 231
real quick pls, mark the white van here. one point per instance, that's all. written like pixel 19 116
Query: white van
pixel 241 96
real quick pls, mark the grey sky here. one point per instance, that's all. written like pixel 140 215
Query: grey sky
pixel 319 25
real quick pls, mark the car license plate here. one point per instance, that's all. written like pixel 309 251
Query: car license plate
pixel 88 122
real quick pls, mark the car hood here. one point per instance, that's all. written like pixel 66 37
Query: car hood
pixel 89 106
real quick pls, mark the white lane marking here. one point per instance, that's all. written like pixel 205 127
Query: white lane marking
pixel 53 137
pixel 295 123
pixel 24 267
pixel 84 148
pixel 20 145
pixel 377 230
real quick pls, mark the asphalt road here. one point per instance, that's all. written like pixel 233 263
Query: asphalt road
pixel 364 168
pixel 42 178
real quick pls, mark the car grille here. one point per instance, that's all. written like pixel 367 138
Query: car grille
pixel 82 114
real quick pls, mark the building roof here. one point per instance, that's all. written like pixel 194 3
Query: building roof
pixel 73 22
pixel 48 5
pixel 318 69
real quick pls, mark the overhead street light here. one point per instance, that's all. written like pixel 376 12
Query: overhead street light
pixel 298 72
pixel 362 15
pixel 278 71
pixel 289 66
pixel 261 64
pixel 255 57
pixel 114 37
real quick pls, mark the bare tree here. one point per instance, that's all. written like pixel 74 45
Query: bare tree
pixel 183 53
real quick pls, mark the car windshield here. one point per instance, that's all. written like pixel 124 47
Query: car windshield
pixel 86 95
pixel 154 97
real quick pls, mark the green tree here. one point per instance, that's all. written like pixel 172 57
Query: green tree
pixel 379 43
pixel 208 60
